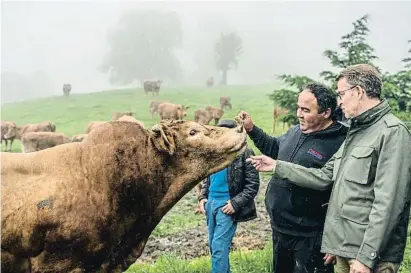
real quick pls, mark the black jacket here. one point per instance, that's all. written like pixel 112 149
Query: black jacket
pixel 295 210
pixel 243 184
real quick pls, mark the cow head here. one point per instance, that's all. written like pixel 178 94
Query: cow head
pixel 182 111
pixel 197 149
pixel 14 132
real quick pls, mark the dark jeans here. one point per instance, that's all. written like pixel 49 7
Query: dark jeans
pixel 293 254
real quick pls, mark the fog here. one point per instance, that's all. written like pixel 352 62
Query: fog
pixel 46 44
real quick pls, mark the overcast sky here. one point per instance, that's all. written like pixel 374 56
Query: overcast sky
pixel 67 40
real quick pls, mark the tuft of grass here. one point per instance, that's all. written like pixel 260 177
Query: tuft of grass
pixel 256 261
pixel 176 223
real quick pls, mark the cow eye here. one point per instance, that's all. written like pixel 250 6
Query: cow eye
pixel 192 132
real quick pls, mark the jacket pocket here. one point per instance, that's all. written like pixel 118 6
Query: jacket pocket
pixel 354 224
pixel 356 213
pixel 358 166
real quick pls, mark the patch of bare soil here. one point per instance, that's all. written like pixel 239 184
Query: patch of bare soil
pixel 192 243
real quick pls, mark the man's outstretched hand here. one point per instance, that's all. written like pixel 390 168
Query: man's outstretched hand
pixel 247 121
pixel 262 163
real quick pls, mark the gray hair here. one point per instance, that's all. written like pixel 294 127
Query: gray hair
pixel 365 76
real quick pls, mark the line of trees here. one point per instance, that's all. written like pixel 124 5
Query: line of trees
pixel 354 49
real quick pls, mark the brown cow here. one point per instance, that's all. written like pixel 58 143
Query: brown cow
pixel 277 112
pixel 152 86
pixel 78 138
pixel 117 115
pixel 202 116
pixel 36 141
pixel 225 102
pixel 154 107
pixel 131 119
pixel 168 110
pixel 91 206
pixel 215 113
pixel 94 124
pixel 5 127
pixel 210 82
pixel 17 132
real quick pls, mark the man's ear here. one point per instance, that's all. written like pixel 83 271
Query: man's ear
pixel 327 113
pixel 162 139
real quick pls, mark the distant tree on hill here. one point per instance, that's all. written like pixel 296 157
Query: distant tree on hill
pixel 227 50
pixel 142 46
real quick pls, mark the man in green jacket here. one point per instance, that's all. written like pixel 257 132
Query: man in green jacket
pixel 370 175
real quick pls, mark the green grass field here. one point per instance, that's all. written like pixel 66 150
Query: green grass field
pixel 72 115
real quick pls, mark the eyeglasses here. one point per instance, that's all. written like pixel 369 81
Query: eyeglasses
pixel 342 93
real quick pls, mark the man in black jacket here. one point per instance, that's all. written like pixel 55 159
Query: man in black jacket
pixel 297 214
pixel 227 197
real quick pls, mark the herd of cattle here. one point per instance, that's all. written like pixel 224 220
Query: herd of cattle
pixel 148 86
pixel 43 135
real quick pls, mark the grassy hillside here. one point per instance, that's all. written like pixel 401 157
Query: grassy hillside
pixel 72 115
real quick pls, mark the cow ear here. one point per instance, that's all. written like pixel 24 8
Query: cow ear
pixel 162 139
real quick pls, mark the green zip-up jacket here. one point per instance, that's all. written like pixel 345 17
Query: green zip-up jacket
pixel 370 176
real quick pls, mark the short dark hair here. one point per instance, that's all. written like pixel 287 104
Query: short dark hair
pixel 365 76
pixel 325 97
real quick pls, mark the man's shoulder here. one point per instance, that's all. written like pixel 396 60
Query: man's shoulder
pixel 390 120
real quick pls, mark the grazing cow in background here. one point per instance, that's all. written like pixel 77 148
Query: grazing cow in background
pixel 154 107
pixel 216 113
pixel 225 102
pixel 277 112
pixel 117 115
pixel 66 89
pixel 168 110
pixel 203 116
pixel 16 132
pixel 91 206
pixel 36 141
pixel 210 82
pixel 152 86
pixel 5 127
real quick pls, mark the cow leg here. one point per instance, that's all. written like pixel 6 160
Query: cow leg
pixel 13 264
pixel 11 144
pixel 5 148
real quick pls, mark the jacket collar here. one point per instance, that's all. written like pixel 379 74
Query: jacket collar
pixel 370 116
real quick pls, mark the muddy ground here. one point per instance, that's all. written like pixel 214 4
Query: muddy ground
pixel 193 242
